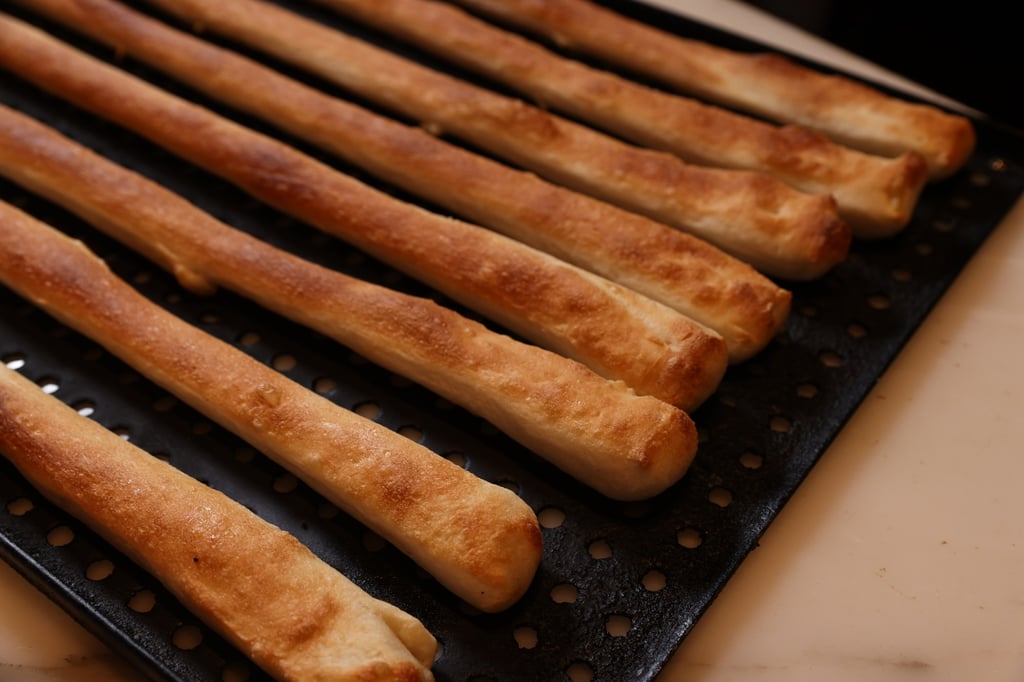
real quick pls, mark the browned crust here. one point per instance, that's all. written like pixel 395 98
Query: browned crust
pixel 870 195
pixel 768 85
pixel 656 184
pixel 614 330
pixel 554 406
pixel 478 539
pixel 667 265
pixel 255 584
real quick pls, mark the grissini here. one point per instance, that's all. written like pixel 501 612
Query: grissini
pixel 478 539
pixel 765 84
pixel 291 613
pixel 599 431
pixel 761 220
pixel 667 265
pixel 876 195
pixel 610 328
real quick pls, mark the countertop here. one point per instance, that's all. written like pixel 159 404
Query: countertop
pixel 897 559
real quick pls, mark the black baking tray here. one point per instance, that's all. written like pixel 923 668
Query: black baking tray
pixel 620 584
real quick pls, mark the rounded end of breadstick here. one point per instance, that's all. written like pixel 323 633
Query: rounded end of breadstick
pixel 691 370
pixel 817 234
pixel 768 307
pixel 890 196
pixel 952 147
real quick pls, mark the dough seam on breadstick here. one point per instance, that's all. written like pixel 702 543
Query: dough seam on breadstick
pixel 663 263
pixel 761 220
pixel 765 84
pixel 875 194
pixel 588 426
pixel 614 330
pixel 258 586
pixel 479 540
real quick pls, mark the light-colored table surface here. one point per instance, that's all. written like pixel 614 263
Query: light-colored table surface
pixel 900 558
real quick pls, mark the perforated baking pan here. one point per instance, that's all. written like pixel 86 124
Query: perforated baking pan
pixel 620 585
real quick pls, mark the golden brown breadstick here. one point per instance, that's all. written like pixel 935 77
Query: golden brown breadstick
pixel 766 84
pixel 665 264
pixel 759 219
pixel 597 430
pixel 478 539
pixel 612 329
pixel 213 554
pixel 875 195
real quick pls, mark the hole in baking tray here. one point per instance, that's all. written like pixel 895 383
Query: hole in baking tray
pixel 20 506
pixel 960 202
pixel 373 542
pixel 806 390
pixel 580 671
pixel 600 549
pixel 830 358
pixel 690 538
pixel 99 570
pixel 980 179
pixel 901 275
pixel 727 399
pixel 15 360
pixel 249 338
pixel 878 301
pixel 751 460
pixel 525 636
pixel 142 277
pixel 61 536
pixel 244 455
pixel 457 458
pixel 165 403
pixel 324 385
pixel 564 593
pixel 780 424
pixel 720 497
pixel 49 385
pixel 209 318
pixel 142 601
pixel 808 310
pixel 326 510
pixel 285 483
pixel 654 581
pixel 236 671
pixel 856 330
pixel 187 637
pixel 368 409
pixel 943 224
pixel 413 433
pixel 284 362
pixel 122 432
pixel 173 298
pixel 618 625
pixel 551 517
pixel 923 248
pixel 84 407
pixel 201 428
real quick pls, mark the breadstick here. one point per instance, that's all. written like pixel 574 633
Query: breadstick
pixel 597 430
pixel 667 265
pixel 612 329
pixel 766 84
pixel 761 220
pixel 874 194
pixel 478 539
pixel 255 584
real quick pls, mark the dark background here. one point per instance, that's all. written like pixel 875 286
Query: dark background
pixel 968 51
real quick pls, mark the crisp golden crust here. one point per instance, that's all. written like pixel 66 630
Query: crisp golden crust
pixel 656 184
pixel 769 85
pixel 869 195
pixel 544 299
pixel 667 265
pixel 478 539
pixel 255 584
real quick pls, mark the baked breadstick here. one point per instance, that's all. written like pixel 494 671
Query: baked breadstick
pixel 667 265
pixel 766 84
pixel 256 585
pixel 478 539
pixel 614 330
pixel 599 431
pixel 761 220
pixel 875 195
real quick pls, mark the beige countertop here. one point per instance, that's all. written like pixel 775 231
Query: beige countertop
pixel 897 559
